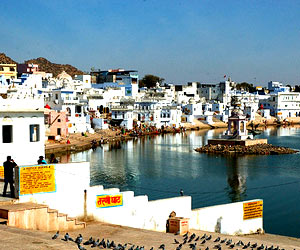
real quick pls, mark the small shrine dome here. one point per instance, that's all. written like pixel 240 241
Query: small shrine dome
pixel 64 76
pixel 192 101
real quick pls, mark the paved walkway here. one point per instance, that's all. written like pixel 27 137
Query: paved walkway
pixel 13 238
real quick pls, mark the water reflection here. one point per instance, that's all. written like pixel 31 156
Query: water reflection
pixel 159 166
pixel 236 178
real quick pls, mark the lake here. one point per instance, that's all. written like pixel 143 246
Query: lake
pixel 159 166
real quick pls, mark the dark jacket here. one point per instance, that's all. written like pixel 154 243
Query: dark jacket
pixel 9 170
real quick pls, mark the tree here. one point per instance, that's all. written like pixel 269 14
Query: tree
pixel 150 81
pixel 297 88
pixel 246 86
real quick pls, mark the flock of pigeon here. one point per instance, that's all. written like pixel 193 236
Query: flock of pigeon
pixel 193 241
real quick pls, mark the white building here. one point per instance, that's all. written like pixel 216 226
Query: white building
pixel 123 115
pixel 283 104
pixel 192 111
pixel 22 133
pixel 67 100
pixel 85 79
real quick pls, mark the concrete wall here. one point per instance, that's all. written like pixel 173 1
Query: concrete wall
pixel 137 211
pixel 71 181
pixel 75 197
pixel 21 149
pixel 226 219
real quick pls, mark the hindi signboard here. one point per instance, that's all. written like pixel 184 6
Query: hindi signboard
pixel 103 201
pixel 1 172
pixel 37 179
pixel 253 210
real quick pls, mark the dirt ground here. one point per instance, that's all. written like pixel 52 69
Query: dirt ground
pixel 13 238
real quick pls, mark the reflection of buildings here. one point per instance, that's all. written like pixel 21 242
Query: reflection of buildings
pixel 236 178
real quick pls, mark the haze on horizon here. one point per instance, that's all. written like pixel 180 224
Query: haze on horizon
pixel 180 40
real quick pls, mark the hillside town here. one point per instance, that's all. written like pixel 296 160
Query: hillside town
pixel 59 106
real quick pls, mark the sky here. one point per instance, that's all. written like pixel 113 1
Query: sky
pixel 179 40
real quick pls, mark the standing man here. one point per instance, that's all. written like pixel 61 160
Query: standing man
pixel 9 176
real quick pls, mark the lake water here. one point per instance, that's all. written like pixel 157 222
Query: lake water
pixel 159 166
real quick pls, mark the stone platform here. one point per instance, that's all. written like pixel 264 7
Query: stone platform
pixel 233 142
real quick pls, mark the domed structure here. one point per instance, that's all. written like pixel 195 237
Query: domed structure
pixel 64 76
pixel 192 101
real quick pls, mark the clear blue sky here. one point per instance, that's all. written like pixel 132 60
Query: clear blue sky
pixel 179 40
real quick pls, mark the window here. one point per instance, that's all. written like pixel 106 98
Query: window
pixel 58 120
pixel 58 131
pixel 7 134
pixel 56 96
pixel 1 69
pixel 34 131
pixel 12 69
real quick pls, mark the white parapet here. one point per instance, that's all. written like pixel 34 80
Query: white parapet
pixel 66 187
pixel 233 218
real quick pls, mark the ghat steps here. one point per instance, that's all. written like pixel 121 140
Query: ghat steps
pixel 37 217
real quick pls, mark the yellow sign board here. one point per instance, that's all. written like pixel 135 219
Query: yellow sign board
pixel 253 210
pixel 37 179
pixel 103 201
pixel 1 172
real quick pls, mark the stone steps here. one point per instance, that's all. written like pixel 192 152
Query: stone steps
pixel 37 217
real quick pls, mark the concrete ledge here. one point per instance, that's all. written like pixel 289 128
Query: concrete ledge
pixel 237 142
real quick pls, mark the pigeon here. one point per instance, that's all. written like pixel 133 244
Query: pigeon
pixel 186 235
pixel 217 239
pixel 55 235
pixel 108 244
pixel 193 246
pixel 162 246
pixel 203 242
pixel 203 237
pixel 190 239
pixel 112 244
pixel 67 237
pixel 78 239
pixel 228 242
pixel 208 238
pixel 179 247
pixel 89 242
pixel 176 241
pixel 231 246
pixel 207 248
pixel 181 192
pixel 223 241
pixel 217 246
pixel 80 247
pixel 240 243
pixel 151 248
pixel 253 245
pixel 261 247
pixel 95 244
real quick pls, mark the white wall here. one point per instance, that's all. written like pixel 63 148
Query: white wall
pixel 137 211
pixel 71 181
pixel 21 149
pixel 226 219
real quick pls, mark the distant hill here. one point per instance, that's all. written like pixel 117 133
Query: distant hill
pixel 54 68
pixel 45 65
pixel 5 59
